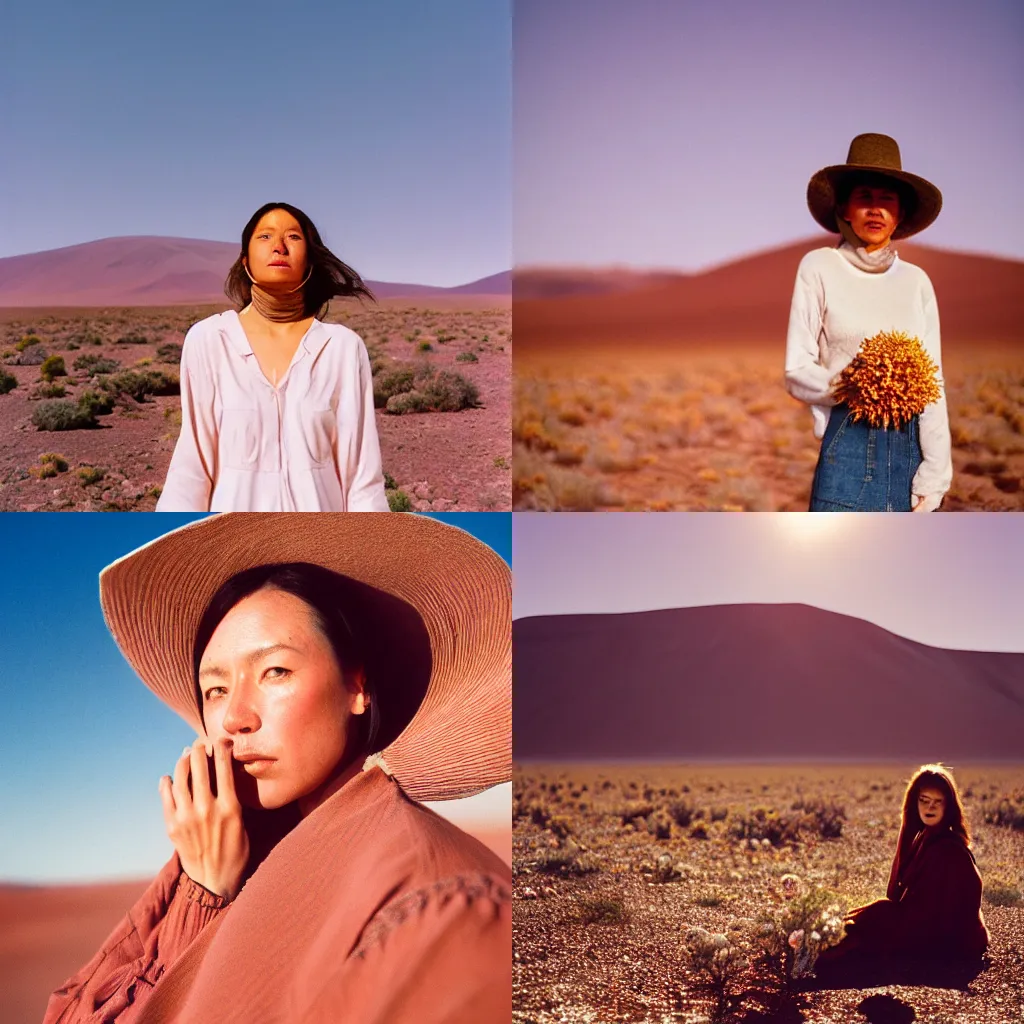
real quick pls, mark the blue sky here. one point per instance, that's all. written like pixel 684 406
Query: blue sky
pixel 679 134
pixel 388 122
pixel 85 742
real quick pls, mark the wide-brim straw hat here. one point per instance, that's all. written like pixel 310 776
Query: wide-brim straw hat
pixel 431 604
pixel 878 155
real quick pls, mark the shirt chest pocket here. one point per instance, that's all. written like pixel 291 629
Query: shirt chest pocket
pixel 318 429
pixel 241 438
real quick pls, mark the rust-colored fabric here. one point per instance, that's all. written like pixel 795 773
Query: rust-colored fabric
pixel 372 909
pixel 934 912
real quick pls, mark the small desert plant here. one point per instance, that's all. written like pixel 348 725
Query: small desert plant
pixel 169 353
pixel 90 475
pixel 96 364
pixel 95 403
pixel 52 367
pixel 34 355
pixel 566 861
pixel 133 339
pixel 62 414
pixel 27 342
pixel 601 911
pixel 8 382
pixel 1003 894
pixel 792 935
pixel 50 465
pixel 50 390
pixel 716 960
pixel 139 384
pixel 395 381
pixel 467 357
pixel 1008 812
pixel 424 346
pixel 399 501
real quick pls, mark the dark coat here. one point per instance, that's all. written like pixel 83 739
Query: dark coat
pixel 932 915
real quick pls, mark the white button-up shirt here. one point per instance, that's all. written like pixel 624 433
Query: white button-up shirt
pixel 307 445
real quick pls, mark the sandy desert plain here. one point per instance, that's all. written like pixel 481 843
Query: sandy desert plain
pixel 127 357
pixel 618 867
pixel 48 932
pixel 663 392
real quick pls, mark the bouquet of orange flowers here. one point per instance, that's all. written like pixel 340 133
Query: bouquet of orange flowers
pixel 891 379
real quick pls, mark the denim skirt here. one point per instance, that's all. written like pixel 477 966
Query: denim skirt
pixel 865 469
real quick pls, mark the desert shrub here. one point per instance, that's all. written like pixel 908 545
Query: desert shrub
pixel 169 353
pixel 659 825
pixel 1003 894
pixel 73 346
pixel 59 463
pixel 395 381
pixel 424 346
pixel 1007 812
pixel 390 484
pixel 446 391
pixel 399 501
pixel 52 366
pixel 34 355
pixel 566 861
pixel 719 813
pixel 27 342
pixel 716 960
pixel 560 825
pixel 8 382
pixel 682 812
pixel 93 364
pixel 821 816
pixel 139 384
pixel 62 414
pixel 601 911
pixel 95 403
pixel 90 475
pixel 49 390
pixel 467 357
pixel 792 935
pixel 133 339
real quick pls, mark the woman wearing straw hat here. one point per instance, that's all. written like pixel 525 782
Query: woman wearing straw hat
pixel 277 407
pixel 852 292
pixel 339 669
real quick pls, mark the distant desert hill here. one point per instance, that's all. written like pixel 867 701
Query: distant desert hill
pixel 757 681
pixel 157 271
pixel 981 299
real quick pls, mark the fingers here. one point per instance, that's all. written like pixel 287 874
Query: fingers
pixel 201 794
pixel 167 800
pixel 225 771
pixel 182 797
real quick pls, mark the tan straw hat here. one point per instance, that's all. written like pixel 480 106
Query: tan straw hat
pixel 877 155
pixel 427 599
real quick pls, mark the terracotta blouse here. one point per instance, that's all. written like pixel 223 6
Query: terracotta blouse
pixel 372 909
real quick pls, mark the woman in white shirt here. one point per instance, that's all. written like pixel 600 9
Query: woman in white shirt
pixel 849 293
pixel 276 406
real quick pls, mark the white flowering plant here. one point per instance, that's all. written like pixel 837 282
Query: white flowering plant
pixel 795 932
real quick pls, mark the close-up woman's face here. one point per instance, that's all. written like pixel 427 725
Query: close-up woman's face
pixel 873 213
pixel 271 684
pixel 277 250
pixel 931 805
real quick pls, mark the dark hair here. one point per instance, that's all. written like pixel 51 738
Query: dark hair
pixel 329 276
pixel 846 183
pixel 317 587
pixel 938 777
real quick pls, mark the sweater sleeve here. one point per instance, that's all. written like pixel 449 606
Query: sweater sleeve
pixel 363 478
pixel 806 379
pixel 935 474
pixel 115 983
pixel 193 467
pixel 441 955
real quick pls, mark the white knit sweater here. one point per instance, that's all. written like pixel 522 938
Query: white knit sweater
pixel 835 307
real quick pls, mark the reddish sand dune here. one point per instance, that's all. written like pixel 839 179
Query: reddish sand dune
pixel 755 681
pixel 157 271
pixel 981 299
pixel 48 932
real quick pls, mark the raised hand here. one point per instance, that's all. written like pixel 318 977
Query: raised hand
pixel 206 829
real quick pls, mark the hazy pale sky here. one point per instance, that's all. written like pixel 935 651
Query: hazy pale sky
pixel 84 741
pixel 948 580
pixel 388 122
pixel 679 134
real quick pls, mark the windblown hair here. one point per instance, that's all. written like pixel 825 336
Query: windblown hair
pixel 934 776
pixel 846 183
pixel 319 589
pixel 329 277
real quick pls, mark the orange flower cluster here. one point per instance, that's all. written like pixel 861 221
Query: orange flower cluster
pixel 891 379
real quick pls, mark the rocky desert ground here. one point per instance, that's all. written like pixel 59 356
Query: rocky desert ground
pixel 657 894
pixel 108 378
